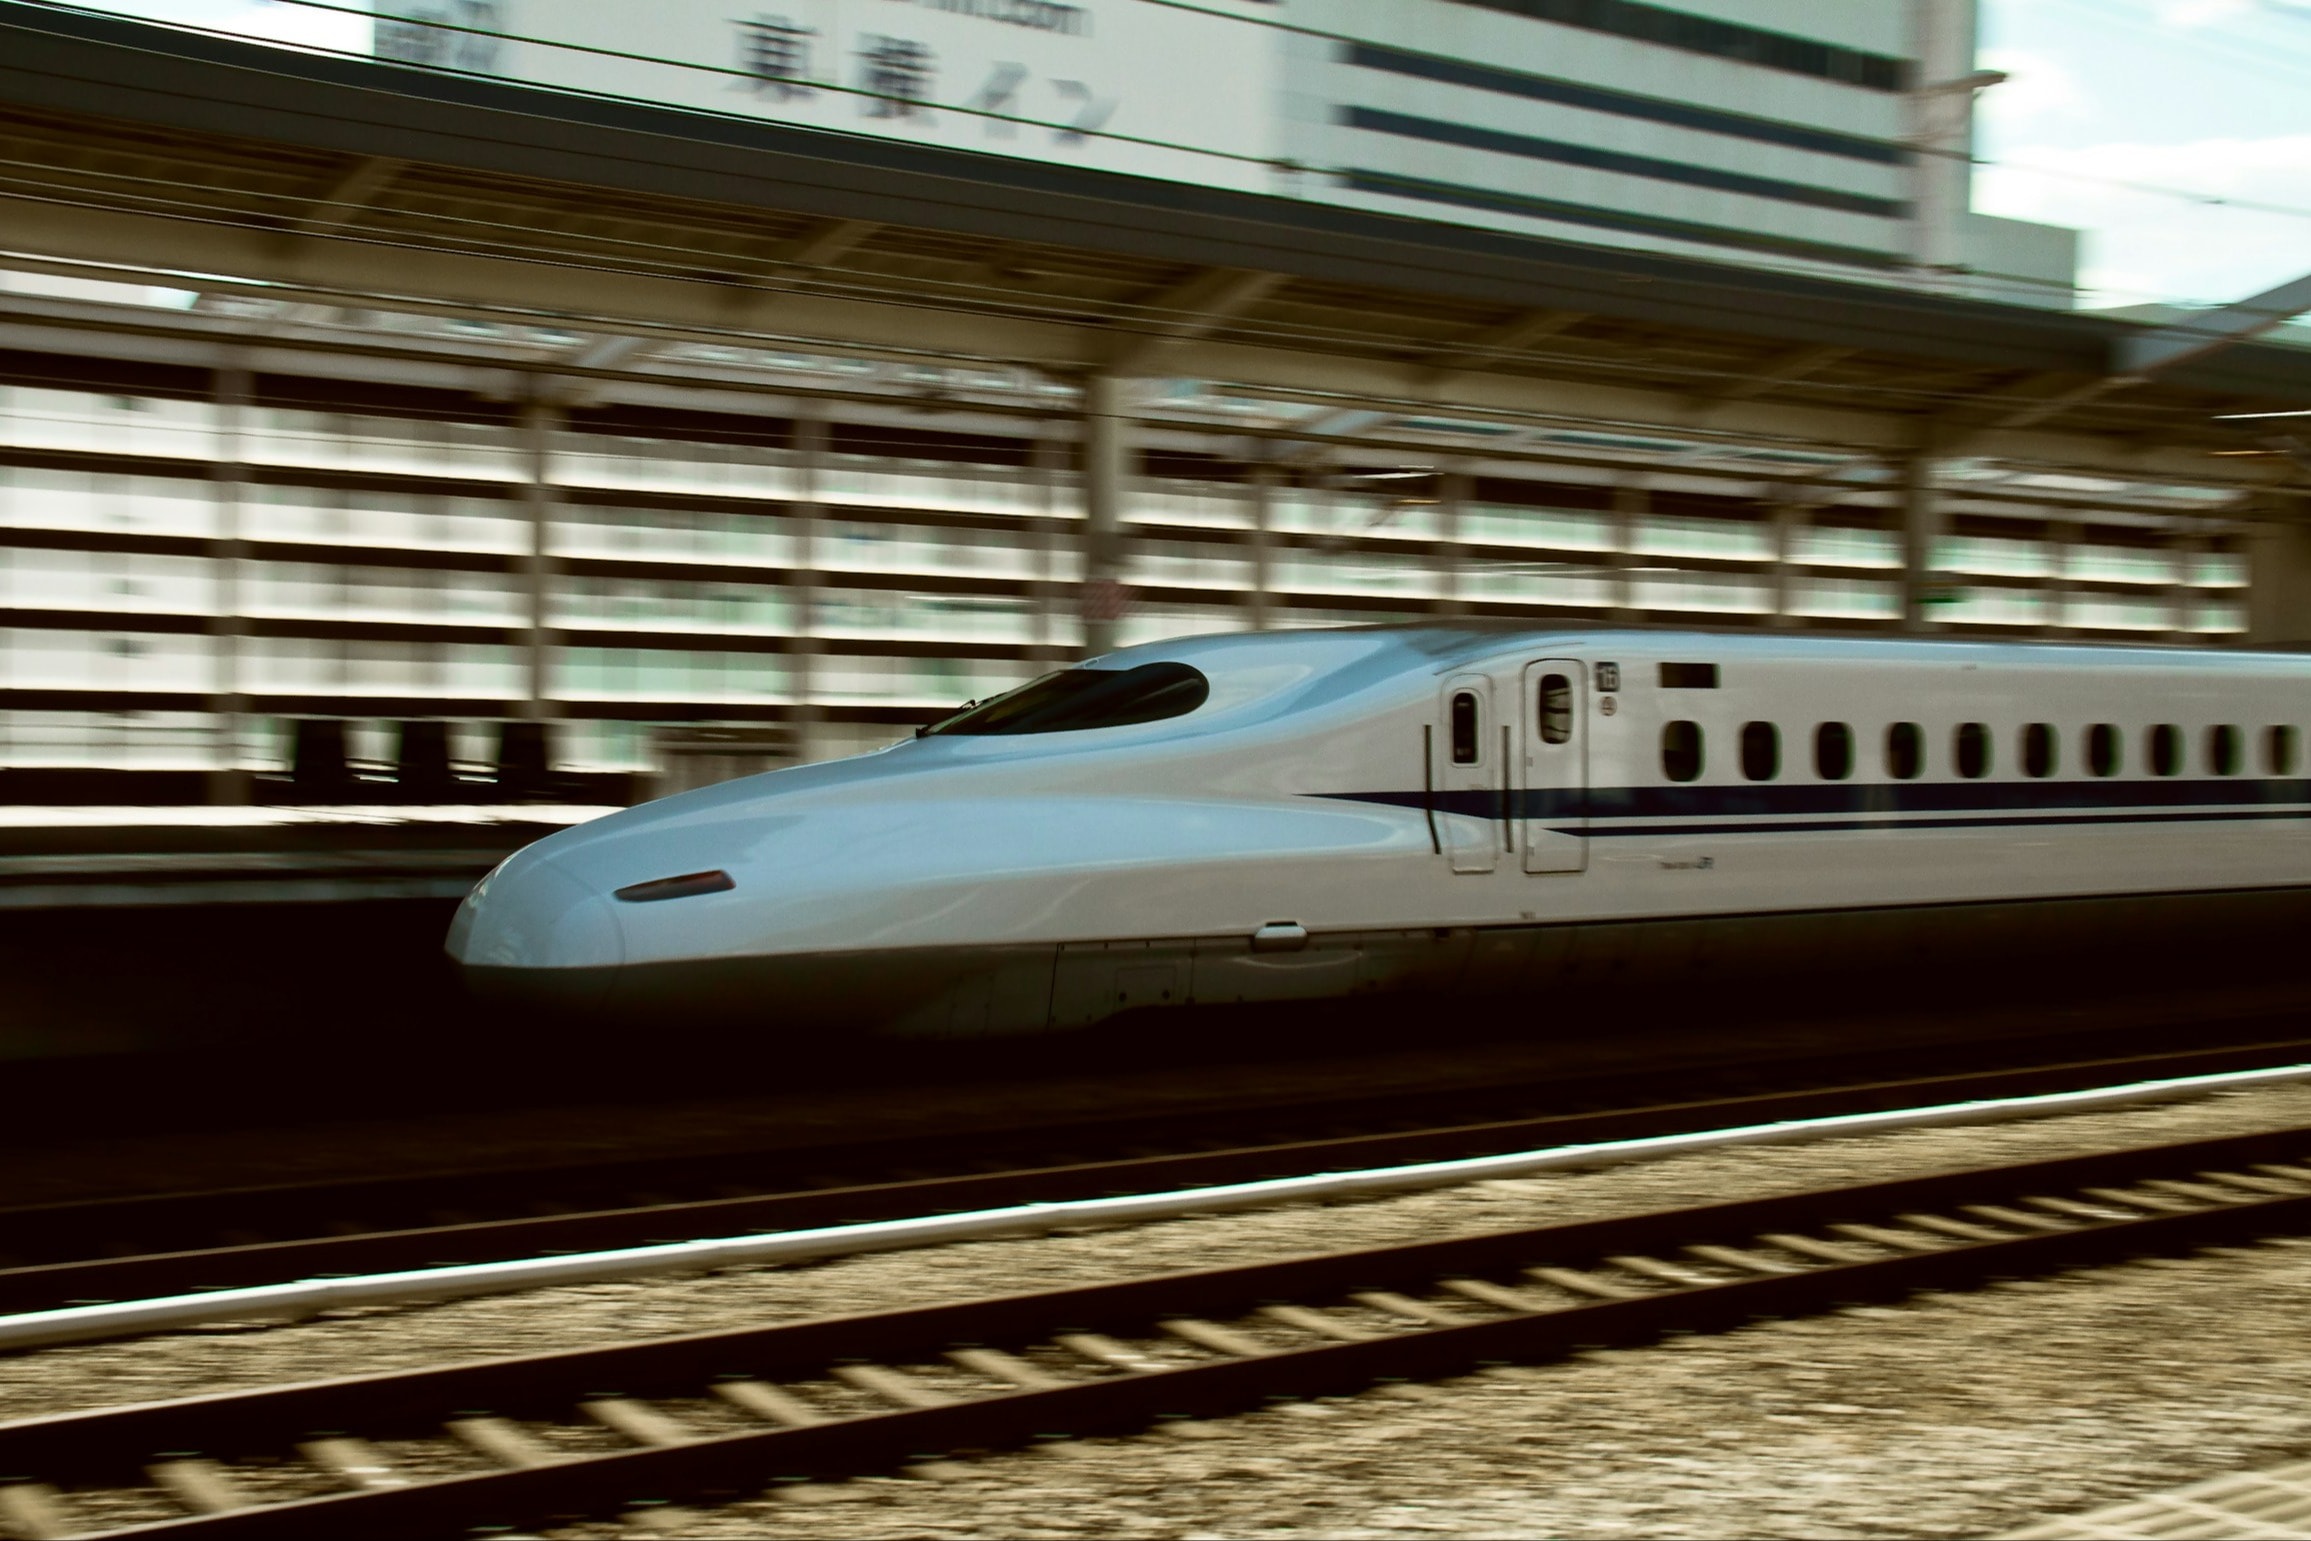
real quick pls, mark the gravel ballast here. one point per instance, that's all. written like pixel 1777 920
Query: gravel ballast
pixel 1953 1416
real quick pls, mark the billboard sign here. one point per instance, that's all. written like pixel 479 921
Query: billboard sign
pixel 1183 92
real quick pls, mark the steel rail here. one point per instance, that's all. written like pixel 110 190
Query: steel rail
pixel 181 1270
pixel 2009 1221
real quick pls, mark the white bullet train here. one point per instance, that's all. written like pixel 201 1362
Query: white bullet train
pixel 1456 812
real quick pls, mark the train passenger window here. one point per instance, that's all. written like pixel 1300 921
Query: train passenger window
pixel 2279 751
pixel 2102 750
pixel 1681 751
pixel 1760 751
pixel 2166 749
pixel 2038 749
pixel 1905 751
pixel 1075 699
pixel 1467 731
pixel 1833 751
pixel 1970 747
pixel 1556 709
pixel 2223 749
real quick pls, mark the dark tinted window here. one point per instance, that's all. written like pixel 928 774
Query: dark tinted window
pixel 2038 750
pixel 1760 751
pixel 1075 699
pixel 2166 749
pixel 1681 751
pixel 1905 751
pixel 2223 750
pixel 1467 730
pixel 1970 749
pixel 1556 709
pixel 1689 676
pixel 2102 750
pixel 1833 751
pixel 2279 751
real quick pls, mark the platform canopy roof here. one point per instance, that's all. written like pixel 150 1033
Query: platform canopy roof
pixel 304 180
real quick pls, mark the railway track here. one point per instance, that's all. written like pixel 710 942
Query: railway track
pixel 326 1235
pixel 537 1439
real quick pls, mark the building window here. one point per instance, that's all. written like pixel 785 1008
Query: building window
pixel 1760 751
pixel 2166 749
pixel 2102 750
pixel 1905 751
pixel 1970 748
pixel 1681 751
pixel 1833 751
pixel 1556 709
pixel 1467 729
pixel 2279 751
pixel 2223 749
pixel 2038 750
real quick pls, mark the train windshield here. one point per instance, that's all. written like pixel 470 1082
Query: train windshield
pixel 1074 699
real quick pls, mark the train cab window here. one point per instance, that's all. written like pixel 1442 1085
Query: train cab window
pixel 1760 751
pixel 2038 750
pixel 1467 728
pixel 2166 749
pixel 1970 749
pixel 2102 750
pixel 1556 709
pixel 1076 699
pixel 1833 751
pixel 2223 749
pixel 2279 751
pixel 1681 751
pixel 1905 751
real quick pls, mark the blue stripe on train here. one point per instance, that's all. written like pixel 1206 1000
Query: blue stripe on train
pixel 1878 805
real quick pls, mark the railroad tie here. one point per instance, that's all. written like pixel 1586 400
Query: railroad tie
pixel 1885 1236
pixel 2157 1203
pixel 1104 1350
pixel 1321 1323
pixel 769 1403
pixel 1654 1268
pixel 503 1442
pixel 638 1421
pixel 2202 1193
pixel 355 1462
pixel 2100 1214
pixel 1491 1295
pixel 1807 1246
pixel 1220 1340
pixel 894 1385
pixel 34 1511
pixel 2260 1186
pixel 1005 1367
pixel 1956 1230
pixel 2297 1174
pixel 1578 1283
pixel 1405 1306
pixel 201 1486
pixel 2020 1220
pixel 1735 1257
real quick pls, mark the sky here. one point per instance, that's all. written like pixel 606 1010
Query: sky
pixel 2204 106
pixel 2212 97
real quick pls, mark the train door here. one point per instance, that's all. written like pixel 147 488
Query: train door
pixel 1554 805
pixel 1470 775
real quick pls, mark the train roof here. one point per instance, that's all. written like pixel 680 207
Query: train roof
pixel 1442 646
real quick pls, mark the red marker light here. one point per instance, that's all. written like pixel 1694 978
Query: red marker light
pixel 677 888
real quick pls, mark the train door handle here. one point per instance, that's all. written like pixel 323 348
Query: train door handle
pixel 1280 936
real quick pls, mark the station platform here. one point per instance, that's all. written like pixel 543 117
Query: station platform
pixel 93 858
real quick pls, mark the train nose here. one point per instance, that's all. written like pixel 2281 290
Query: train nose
pixel 532 929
